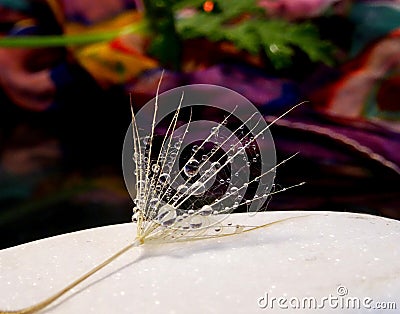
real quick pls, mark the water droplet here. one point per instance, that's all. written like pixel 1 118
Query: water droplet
pixel 166 215
pixel 139 202
pixel 206 210
pixel 197 188
pixel 135 215
pixel 194 148
pixel 155 168
pixel 184 225
pixel 168 222
pixel 191 167
pixel 196 222
pixel 164 178
pixel 182 189
pixel 234 189
pixel 146 139
pixel 215 165
pixel 153 202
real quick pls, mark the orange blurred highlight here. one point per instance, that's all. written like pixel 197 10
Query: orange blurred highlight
pixel 208 6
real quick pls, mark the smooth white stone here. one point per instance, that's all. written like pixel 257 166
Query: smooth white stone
pixel 306 257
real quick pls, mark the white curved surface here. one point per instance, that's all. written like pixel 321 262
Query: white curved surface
pixel 306 257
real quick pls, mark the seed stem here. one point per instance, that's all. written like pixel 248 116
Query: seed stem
pixel 41 305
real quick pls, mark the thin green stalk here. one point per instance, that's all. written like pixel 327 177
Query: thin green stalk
pixel 37 41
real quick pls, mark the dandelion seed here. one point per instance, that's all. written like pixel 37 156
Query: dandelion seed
pixel 195 177
pixel 170 207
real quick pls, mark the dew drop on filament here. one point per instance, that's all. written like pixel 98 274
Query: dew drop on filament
pixel 206 210
pixel 166 215
pixel 164 178
pixel 153 202
pixel 182 189
pixel 191 167
pixel 197 188
pixel 155 168
pixel 196 222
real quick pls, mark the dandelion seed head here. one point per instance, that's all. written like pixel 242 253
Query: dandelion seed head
pixel 188 170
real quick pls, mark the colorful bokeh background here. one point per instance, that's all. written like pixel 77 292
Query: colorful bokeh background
pixel 65 107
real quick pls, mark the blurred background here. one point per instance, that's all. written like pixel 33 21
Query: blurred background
pixel 67 68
